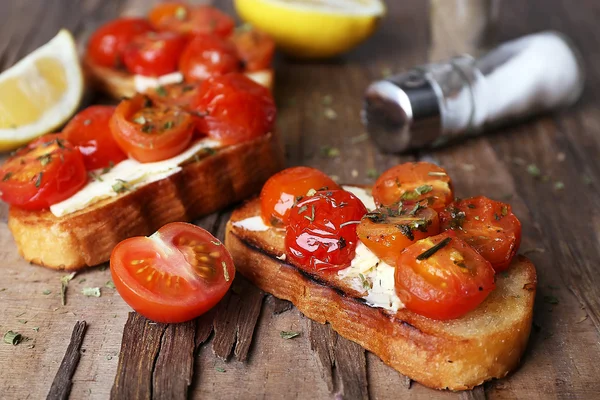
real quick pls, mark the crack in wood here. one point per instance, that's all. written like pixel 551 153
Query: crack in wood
pixel 61 386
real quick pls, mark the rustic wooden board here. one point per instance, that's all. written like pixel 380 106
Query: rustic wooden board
pixel 561 235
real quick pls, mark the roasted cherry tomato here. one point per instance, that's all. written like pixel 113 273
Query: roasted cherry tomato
pixel 442 277
pixel 90 133
pixel 206 56
pixel 45 172
pixel 175 275
pixel 321 231
pixel 255 48
pixel 414 181
pixel 181 18
pixel 488 226
pixel 286 188
pixel 387 231
pixel 235 108
pixel 151 132
pixel 178 95
pixel 107 45
pixel 154 54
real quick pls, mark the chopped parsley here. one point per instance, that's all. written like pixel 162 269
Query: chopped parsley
pixel 91 291
pixel 289 334
pixel 13 338
pixel 331 152
pixel 45 159
pixel 534 170
pixel 121 186
pixel 38 181
pixel 431 251
pixel 365 283
pixel 161 91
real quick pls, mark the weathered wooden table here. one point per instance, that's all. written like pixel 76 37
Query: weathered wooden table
pixel 561 235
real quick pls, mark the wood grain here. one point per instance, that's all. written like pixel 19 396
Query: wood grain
pixel 61 386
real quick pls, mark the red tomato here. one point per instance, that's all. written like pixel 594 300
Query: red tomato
pixel 255 48
pixel 321 232
pixel 47 171
pixel 414 181
pixel 90 133
pixel 235 108
pixel 286 188
pixel 154 54
pixel 175 275
pixel 488 226
pixel 389 230
pixel 442 277
pixel 206 56
pixel 176 95
pixel 150 132
pixel 181 18
pixel 107 45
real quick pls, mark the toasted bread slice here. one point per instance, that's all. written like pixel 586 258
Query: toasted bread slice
pixel 87 237
pixel 119 84
pixel 458 354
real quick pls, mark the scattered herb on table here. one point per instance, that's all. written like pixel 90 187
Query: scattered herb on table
pixel 109 284
pixel 534 170
pixel 372 173
pixel 559 185
pixel 13 338
pixel 359 138
pixel 46 292
pixel 64 283
pixel 431 251
pixel 551 299
pixel 219 369
pixel 330 152
pixel 91 291
pixel 330 113
pixel 288 334
pixel 327 100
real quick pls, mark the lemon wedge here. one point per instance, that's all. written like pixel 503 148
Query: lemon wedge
pixel 313 28
pixel 40 92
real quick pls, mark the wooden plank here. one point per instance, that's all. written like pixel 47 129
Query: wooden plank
pixel 61 386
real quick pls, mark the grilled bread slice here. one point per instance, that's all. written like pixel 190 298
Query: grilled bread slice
pixel 458 354
pixel 204 185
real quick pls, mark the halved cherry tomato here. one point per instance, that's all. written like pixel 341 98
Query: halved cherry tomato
pixel 488 226
pixel 154 54
pixel 206 56
pixel 286 188
pixel 442 277
pixel 185 19
pixel 182 95
pixel 90 133
pixel 414 181
pixel 321 231
pixel 387 231
pixel 255 48
pixel 175 275
pixel 236 108
pixel 151 132
pixel 45 172
pixel 107 45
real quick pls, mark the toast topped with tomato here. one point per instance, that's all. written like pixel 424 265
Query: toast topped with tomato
pixel 176 43
pixel 430 284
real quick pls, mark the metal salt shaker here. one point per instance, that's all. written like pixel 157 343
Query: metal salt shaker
pixel 432 104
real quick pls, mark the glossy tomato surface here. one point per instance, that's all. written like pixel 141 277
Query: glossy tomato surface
pixel 175 275
pixel 187 19
pixel 154 54
pixel 107 44
pixel 182 95
pixel 235 108
pixel 151 132
pixel 47 171
pixel 488 226
pixel 321 231
pixel 89 131
pixel 414 181
pixel 254 48
pixel 206 56
pixel 442 277
pixel 284 189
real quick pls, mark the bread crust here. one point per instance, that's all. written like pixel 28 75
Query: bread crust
pixel 459 354
pixel 87 237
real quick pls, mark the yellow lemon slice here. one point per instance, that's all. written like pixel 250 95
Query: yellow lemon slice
pixel 40 92
pixel 313 28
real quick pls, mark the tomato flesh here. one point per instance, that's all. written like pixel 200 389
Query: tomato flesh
pixel 488 226
pixel 89 131
pixel 446 283
pixel 45 172
pixel 154 54
pixel 206 56
pixel 321 232
pixel 414 181
pixel 254 48
pixel 185 19
pixel 175 275
pixel 181 95
pixel 286 188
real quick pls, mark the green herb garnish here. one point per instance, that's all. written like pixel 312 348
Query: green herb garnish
pixel 534 170
pixel 38 181
pixel 329 151
pixel 91 291
pixel 121 186
pixel 109 284
pixel 64 282
pixel 13 338
pixel 551 299
pixel 161 91
pixel 45 159
pixel 365 283
pixel 504 211
pixel 429 252
pixel 225 271
pixel 372 173
pixel 559 185
pixel 46 292
pixel 219 369
pixel 168 125
pixel 288 334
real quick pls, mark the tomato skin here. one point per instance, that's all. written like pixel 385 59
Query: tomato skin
pixel 446 285
pixel 108 43
pixel 154 54
pixel 235 108
pixel 89 131
pixel 488 226
pixel 182 18
pixel 175 275
pixel 255 49
pixel 206 56
pixel 414 181
pixel 321 232
pixel 45 172
pixel 181 95
pixel 282 191
pixel 161 140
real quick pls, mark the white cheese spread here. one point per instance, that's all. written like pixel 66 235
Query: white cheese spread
pixel 363 195
pixel 143 83
pixel 252 224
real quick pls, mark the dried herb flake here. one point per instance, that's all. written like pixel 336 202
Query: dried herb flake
pixel 289 334
pixel 91 291
pixel 429 252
